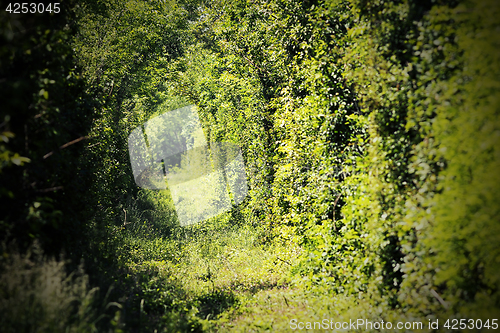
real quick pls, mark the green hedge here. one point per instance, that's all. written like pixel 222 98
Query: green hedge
pixel 369 129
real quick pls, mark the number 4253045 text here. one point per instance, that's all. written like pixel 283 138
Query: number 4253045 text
pixel 24 8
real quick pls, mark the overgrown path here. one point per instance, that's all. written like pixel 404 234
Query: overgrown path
pixel 218 276
pixel 209 276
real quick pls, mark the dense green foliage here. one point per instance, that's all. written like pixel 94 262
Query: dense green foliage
pixel 431 210
pixel 369 131
pixel 45 118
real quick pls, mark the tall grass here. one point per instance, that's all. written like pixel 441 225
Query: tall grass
pixel 37 295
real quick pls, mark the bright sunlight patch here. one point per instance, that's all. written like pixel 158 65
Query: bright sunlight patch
pixel 170 151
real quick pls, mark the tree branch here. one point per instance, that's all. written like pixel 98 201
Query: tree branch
pixel 66 145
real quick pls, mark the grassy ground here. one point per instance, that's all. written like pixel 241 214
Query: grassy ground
pixel 215 276
pixel 199 278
